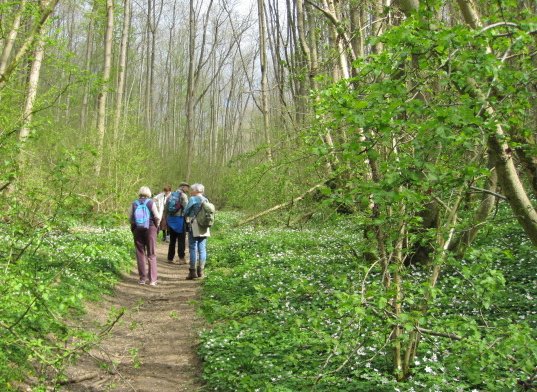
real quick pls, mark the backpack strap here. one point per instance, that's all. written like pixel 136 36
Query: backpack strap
pixel 150 208
pixel 203 201
pixel 149 204
pixel 138 203
pixel 180 193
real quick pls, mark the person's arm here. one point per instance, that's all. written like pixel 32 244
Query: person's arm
pixel 165 208
pixel 155 213
pixel 159 201
pixel 131 216
pixel 159 213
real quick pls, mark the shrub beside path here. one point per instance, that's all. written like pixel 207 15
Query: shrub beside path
pixel 153 345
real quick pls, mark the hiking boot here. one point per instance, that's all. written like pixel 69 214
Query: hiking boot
pixel 182 260
pixel 200 271
pixel 191 274
pixel 170 261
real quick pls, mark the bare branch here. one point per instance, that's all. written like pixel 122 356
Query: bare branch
pixel 449 335
pixel 489 192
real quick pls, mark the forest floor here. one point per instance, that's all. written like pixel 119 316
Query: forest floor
pixel 153 345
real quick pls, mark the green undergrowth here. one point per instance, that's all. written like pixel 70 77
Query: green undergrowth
pixel 301 310
pixel 46 277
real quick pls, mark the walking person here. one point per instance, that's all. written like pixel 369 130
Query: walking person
pixel 144 219
pixel 197 236
pixel 160 201
pixel 174 212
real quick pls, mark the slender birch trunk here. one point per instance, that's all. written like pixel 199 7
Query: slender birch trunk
pixel 46 10
pixel 101 114
pixel 190 91
pixel 356 21
pixel 122 69
pixel 33 82
pixel 11 38
pixel 148 73
pixel 170 93
pixel 264 79
pixel 87 64
pixel 35 72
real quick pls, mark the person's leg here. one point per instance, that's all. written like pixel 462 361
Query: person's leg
pixel 139 245
pixel 202 248
pixel 151 255
pixel 192 248
pixel 165 229
pixel 171 246
pixel 181 246
pixel 162 228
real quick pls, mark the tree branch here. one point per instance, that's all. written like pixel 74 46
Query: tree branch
pixel 489 192
pixel 280 206
pixel 449 335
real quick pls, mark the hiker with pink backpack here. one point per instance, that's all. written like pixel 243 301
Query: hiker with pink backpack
pixel 145 219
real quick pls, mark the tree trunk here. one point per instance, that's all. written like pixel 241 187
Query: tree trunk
pixel 357 39
pixel 501 152
pixel 101 114
pixel 33 81
pixel 170 89
pixel 46 10
pixel 11 37
pixel 264 79
pixel 469 12
pixel 122 69
pixel 87 62
pixel 529 162
pixel 304 45
pixel 511 184
pixel 148 72
pixel 190 92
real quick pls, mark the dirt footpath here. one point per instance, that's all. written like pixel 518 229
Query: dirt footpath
pixel 153 345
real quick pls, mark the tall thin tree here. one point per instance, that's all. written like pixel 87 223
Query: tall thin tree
pixel 101 113
pixel 264 77
pixel 122 68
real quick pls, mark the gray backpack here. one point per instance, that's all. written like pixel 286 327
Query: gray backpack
pixel 205 216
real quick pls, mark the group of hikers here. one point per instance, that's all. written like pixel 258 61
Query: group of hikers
pixel 174 214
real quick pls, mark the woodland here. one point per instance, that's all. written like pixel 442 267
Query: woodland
pixel 373 164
